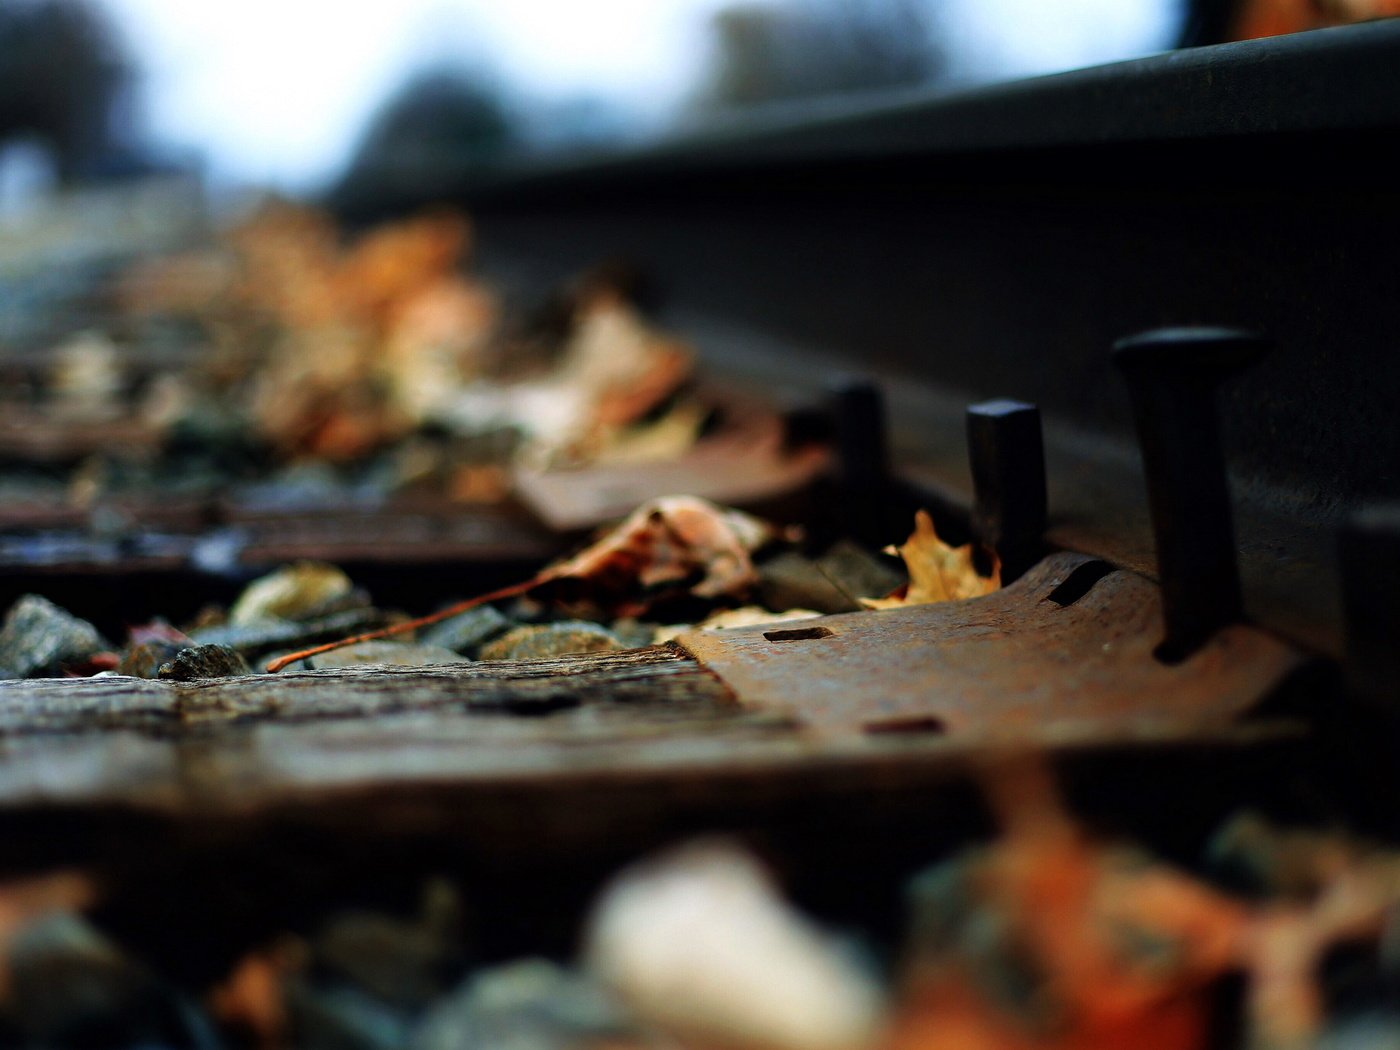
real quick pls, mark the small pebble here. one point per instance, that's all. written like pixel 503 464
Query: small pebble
pixel 394 654
pixel 465 633
pixel 791 581
pixel 38 637
pixel 633 633
pixel 204 661
pixel 294 592
pixel 262 635
pixel 831 583
pixel 541 641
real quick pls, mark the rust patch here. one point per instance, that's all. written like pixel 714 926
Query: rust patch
pixel 1066 650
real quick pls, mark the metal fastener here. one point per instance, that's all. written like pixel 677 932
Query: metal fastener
pixel 1172 376
pixel 1007 455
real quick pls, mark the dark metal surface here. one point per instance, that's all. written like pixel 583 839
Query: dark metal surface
pixel 1172 375
pixel 1041 661
pixel 1007 456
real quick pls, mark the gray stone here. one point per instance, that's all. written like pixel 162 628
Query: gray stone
pixel 38 637
pixel 829 584
pixel 465 633
pixel 528 1005
pixel 204 661
pixel 264 635
pixel 542 641
pixel 856 571
pixel 791 581
pixel 634 634
pixel 395 654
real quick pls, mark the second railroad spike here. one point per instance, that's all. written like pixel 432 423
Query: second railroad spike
pixel 862 457
pixel 1007 454
pixel 1172 376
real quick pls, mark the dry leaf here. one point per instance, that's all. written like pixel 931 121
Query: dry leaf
pixel 937 572
pixel 676 543
pixel 614 370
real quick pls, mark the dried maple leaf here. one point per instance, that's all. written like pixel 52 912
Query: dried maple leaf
pixel 937 572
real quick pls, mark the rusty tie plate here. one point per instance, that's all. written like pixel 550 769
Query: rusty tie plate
pixel 1067 650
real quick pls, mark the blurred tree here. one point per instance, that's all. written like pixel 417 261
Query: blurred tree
pixel 439 113
pixel 772 51
pixel 64 82
pixel 441 124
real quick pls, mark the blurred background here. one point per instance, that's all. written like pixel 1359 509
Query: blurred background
pixel 301 97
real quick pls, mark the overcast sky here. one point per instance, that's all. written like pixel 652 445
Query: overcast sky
pixel 277 90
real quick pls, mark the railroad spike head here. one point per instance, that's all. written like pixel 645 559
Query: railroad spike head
pixel 1203 355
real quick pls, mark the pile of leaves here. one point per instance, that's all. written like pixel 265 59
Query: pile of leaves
pixel 283 342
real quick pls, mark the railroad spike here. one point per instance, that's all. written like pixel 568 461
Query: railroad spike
pixel 1172 375
pixel 862 457
pixel 1006 451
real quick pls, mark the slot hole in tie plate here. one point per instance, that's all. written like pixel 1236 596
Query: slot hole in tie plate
pixel 1079 582
pixel 798 634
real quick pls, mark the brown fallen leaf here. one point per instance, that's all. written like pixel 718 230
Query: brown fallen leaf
pixel 937 572
pixel 675 543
